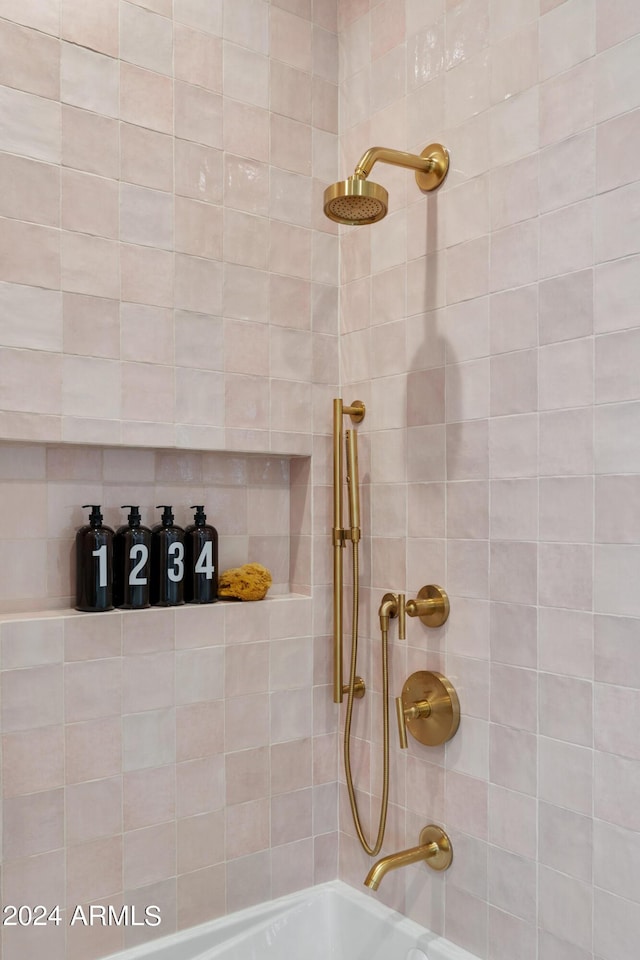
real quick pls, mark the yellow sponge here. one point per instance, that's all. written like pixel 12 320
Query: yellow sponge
pixel 249 582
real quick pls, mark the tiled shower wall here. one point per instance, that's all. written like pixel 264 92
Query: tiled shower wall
pixel 493 331
pixel 168 333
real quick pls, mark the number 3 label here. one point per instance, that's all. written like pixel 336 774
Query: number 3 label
pixel 175 570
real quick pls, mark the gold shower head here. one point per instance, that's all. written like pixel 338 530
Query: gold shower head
pixel 356 200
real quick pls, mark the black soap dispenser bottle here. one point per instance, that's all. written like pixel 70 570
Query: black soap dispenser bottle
pixel 201 560
pixel 94 564
pixel 167 561
pixel 131 562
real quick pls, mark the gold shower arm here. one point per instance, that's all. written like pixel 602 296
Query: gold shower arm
pixel 431 165
pixel 398 158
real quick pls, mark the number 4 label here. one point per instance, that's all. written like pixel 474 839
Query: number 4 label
pixel 204 563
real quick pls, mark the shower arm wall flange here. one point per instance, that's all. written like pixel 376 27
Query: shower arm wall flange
pixel 431 165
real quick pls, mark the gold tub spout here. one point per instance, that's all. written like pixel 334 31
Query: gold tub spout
pixel 434 849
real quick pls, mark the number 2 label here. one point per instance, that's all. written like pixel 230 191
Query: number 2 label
pixel 140 552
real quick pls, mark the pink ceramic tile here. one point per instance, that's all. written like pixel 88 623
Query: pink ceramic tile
pixel 201 896
pixel 247 775
pixel 39 878
pixel 574 725
pixel 32 125
pixel 95 27
pixel 198 58
pixel 566 443
pixel 90 387
pixel 30 60
pixel 93 750
pixel 94 870
pixel 514 505
pixel 89 141
pixel 561 114
pixel 567 37
pixel 89 80
pixel 148 739
pixel 514 386
pixel 292 867
pixel 198 284
pixel 148 682
pixel 245 75
pixel 199 730
pixel 291 92
pixel 575 163
pixel 146 39
pixel 93 810
pixel 513 759
pixel 615 22
pixel 387 27
pixel 33 193
pixel 30 254
pixel 247 828
pixel 102 337
pixel 33 760
pixel 34 824
pixel 567 841
pixel 87 639
pixel 290 38
pixel 144 396
pixel 149 796
pixel 200 841
pixel 247 24
pixel 198 114
pixel 200 786
pixel 565 907
pixel 512 883
pixel 92 689
pixel 246 130
pixel 198 229
pixel 149 855
pixel 146 98
pixel 616 80
pixel 90 265
pixel 576 563
pixel 31 698
pixel 515 64
pixel 574 793
pixel 146 216
pixel 31 643
pixel 465 920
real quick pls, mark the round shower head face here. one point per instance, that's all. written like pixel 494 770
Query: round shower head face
pixel 355 201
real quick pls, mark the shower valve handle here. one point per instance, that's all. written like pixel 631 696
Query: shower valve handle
pixel 431 605
pixel 428 708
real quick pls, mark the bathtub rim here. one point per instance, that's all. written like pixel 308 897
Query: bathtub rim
pixel 439 948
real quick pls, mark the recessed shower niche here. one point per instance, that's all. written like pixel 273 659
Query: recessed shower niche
pixel 259 504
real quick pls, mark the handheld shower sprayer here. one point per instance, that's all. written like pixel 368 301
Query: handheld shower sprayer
pixel 355 688
pixel 357 200
pixel 353 484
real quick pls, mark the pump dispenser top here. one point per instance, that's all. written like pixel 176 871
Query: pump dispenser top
pixel 134 517
pixel 199 517
pixel 167 515
pixel 95 517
